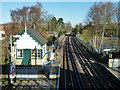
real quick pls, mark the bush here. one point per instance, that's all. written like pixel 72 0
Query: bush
pixel 60 33
pixel 51 40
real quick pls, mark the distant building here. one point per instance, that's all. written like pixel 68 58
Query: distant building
pixel 50 33
pixel 2 32
pixel 2 35
pixel 9 28
pixel 29 48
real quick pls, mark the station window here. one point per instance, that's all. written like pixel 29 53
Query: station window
pixel 5 28
pixel 32 53
pixel 39 53
pixel 19 53
pixel 3 35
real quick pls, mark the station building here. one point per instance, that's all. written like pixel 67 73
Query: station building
pixel 29 48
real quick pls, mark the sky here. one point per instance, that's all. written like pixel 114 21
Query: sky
pixel 75 12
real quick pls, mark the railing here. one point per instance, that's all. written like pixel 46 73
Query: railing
pixel 59 40
pixel 27 73
pixel 58 77
pixel 86 44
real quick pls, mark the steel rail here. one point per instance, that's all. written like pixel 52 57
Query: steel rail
pixel 98 74
pixel 84 68
pixel 77 74
pixel 71 85
pixel 64 67
pixel 87 63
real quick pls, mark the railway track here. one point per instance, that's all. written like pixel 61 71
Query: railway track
pixel 65 75
pixel 69 79
pixel 72 78
pixel 100 77
pixel 62 82
pixel 79 80
pixel 79 72
pixel 85 69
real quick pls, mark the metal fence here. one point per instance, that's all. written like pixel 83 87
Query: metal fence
pixel 86 44
pixel 27 73
pixel 58 41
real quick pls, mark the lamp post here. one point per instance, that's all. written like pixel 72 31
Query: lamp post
pixel 12 75
pixel 11 46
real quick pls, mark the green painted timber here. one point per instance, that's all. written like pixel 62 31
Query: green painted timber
pixel 26 56
pixel 30 35
pixel 41 54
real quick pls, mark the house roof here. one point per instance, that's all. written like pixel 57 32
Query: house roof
pixel 38 36
pixel 35 35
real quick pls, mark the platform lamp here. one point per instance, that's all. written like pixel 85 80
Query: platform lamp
pixel 13 78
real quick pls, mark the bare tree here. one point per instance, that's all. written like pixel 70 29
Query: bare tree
pixel 47 20
pixel 68 27
pixel 32 16
pixel 101 15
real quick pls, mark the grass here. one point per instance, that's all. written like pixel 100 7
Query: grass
pixel 85 35
pixel 4 80
pixel 106 40
pixel 5 83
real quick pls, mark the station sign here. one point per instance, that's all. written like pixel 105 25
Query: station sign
pixel 52 74
pixel 114 62
pixel 12 71
pixel 110 62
